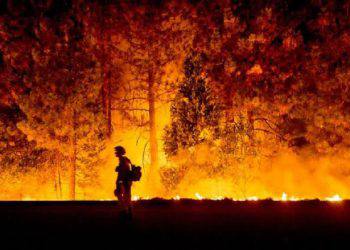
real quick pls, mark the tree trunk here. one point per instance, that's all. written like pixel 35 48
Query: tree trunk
pixel 72 170
pixel 108 108
pixel 152 124
pixel 56 163
pixel 59 179
pixel 106 91
pixel 106 100
pixel 73 159
pixel 106 87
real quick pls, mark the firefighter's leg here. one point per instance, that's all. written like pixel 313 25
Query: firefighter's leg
pixel 128 195
pixel 120 194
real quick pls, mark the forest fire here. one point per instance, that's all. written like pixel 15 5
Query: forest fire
pixel 284 197
pixel 247 102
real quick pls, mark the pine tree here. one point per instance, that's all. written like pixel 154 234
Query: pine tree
pixel 195 111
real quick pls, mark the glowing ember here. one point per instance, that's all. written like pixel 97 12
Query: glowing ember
pixel 334 198
pixel 198 196
pixel 292 198
pixel 27 198
pixel 252 198
pixel 135 198
pixel 284 197
pixel 219 198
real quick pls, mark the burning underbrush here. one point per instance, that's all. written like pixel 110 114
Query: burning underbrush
pixel 286 176
pixel 200 173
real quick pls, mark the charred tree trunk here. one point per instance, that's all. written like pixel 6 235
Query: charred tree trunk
pixel 152 124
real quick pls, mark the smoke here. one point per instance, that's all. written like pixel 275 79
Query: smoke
pixel 301 174
pixel 199 171
pixel 33 184
pixel 306 175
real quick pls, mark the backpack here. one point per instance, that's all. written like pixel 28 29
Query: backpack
pixel 135 173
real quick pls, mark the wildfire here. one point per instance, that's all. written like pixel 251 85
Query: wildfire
pixel 284 197
pixel 253 198
pixel 219 198
pixel 334 198
pixel 27 198
pixel 198 196
pixel 135 198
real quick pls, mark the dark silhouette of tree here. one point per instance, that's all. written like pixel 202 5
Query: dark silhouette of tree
pixel 195 111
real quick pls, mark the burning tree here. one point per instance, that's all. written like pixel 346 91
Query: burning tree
pixel 62 107
pixel 153 37
pixel 19 157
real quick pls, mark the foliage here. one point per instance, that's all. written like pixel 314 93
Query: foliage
pixel 55 86
pixel 62 108
pixel 194 111
pixel 150 43
pixel 281 65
